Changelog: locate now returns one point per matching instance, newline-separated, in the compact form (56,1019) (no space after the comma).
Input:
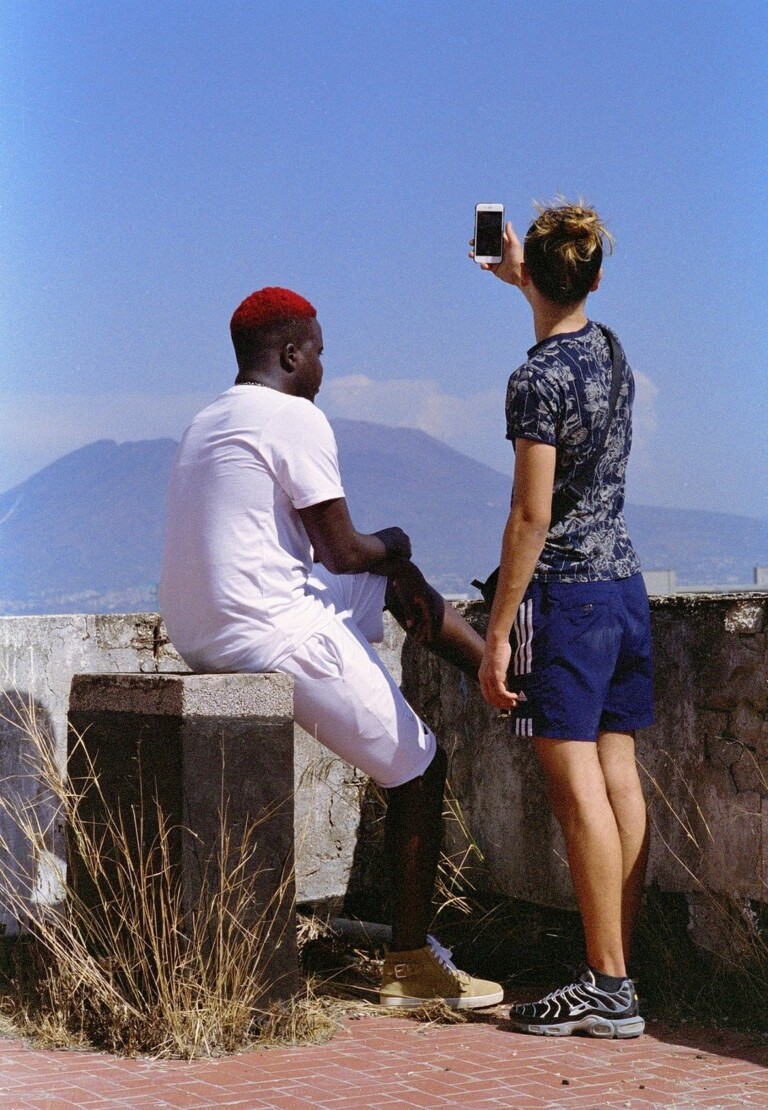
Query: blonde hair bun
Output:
(564,249)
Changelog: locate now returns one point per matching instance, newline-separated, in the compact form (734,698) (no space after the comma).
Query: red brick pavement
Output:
(384,1063)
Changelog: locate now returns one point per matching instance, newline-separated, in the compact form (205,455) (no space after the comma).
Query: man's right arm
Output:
(342,549)
(524,538)
(512,268)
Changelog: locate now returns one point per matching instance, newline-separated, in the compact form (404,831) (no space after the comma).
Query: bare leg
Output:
(578,796)
(413,836)
(454,639)
(616,752)
(414,812)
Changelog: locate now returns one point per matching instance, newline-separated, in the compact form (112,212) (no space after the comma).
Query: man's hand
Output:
(416,605)
(510,269)
(396,542)
(493,676)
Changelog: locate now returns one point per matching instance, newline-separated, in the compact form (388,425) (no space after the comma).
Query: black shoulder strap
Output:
(569,496)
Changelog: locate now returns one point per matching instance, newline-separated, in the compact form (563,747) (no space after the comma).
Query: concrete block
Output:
(211,753)
(38,657)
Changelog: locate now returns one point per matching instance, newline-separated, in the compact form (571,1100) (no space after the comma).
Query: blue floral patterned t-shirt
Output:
(560,396)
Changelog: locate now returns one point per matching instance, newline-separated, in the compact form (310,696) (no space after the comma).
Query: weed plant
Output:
(132,969)
(727,985)
(530,946)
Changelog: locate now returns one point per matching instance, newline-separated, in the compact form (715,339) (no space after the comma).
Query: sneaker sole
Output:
(474,1002)
(593,1026)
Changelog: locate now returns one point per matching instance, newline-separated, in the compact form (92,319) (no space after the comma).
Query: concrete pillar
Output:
(208,751)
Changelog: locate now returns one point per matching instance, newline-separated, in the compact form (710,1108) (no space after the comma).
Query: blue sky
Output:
(161,161)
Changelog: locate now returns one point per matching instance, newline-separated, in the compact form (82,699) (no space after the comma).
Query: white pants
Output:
(343,694)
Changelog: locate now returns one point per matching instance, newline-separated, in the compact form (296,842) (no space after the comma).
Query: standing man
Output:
(264,570)
(568,646)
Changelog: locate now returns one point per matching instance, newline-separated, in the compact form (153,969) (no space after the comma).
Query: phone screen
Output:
(488,240)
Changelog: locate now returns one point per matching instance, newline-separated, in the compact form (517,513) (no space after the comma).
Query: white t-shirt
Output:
(237,557)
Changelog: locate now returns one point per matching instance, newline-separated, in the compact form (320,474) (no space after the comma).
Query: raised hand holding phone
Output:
(489,228)
(510,266)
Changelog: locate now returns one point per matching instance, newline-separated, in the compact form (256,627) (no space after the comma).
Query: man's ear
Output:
(288,357)
(525,277)
(598,279)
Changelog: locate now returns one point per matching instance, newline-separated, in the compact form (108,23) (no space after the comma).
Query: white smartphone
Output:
(489,232)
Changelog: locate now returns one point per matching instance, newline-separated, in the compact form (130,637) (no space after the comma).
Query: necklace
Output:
(247,382)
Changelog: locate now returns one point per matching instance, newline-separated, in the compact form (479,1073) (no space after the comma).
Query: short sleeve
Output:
(533,406)
(300,448)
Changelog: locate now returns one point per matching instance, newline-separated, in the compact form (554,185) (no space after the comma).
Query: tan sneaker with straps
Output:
(422,975)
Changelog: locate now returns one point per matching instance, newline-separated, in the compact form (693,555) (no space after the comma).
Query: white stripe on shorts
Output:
(523,657)
(523,638)
(524,726)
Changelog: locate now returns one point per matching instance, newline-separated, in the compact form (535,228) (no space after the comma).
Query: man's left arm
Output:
(342,549)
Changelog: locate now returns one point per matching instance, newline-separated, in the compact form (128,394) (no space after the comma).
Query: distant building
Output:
(659,583)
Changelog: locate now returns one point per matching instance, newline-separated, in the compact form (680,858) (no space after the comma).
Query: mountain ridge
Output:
(84,533)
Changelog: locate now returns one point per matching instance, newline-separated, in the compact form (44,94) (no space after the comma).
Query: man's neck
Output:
(268,375)
(556,319)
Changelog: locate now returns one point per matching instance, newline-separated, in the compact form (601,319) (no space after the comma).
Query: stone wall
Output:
(38,657)
(704,765)
(705,762)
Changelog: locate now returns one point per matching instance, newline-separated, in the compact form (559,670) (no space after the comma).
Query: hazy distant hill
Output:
(85,533)
(705,548)
(453,508)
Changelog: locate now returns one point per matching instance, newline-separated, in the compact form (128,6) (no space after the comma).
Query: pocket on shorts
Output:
(578,617)
(583,631)
(321,658)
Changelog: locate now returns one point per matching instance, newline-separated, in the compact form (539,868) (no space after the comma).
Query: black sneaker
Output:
(582,1006)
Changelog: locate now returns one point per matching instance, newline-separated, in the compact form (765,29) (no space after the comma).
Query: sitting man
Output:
(256,496)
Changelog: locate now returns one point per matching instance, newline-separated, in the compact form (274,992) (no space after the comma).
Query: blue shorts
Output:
(581,654)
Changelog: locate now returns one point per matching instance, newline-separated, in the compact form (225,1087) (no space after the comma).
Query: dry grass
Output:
(728,985)
(142,973)
(133,970)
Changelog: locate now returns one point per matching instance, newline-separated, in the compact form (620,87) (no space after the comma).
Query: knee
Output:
(400,611)
(622,782)
(438,768)
(625,793)
(575,801)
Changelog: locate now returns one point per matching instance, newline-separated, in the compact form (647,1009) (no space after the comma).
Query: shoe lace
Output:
(444,957)
(561,992)
(570,992)
(443,954)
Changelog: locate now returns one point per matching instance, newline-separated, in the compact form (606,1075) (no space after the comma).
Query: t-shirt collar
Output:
(558,338)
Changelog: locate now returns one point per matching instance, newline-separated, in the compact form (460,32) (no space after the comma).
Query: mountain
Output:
(85,533)
(453,508)
(704,548)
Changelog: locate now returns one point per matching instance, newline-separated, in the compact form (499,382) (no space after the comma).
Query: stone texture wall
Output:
(704,764)
(38,657)
(706,758)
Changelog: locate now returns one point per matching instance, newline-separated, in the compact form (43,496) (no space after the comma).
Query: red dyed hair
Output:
(269,306)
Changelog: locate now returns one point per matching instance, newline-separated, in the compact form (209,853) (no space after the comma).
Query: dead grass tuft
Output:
(132,970)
